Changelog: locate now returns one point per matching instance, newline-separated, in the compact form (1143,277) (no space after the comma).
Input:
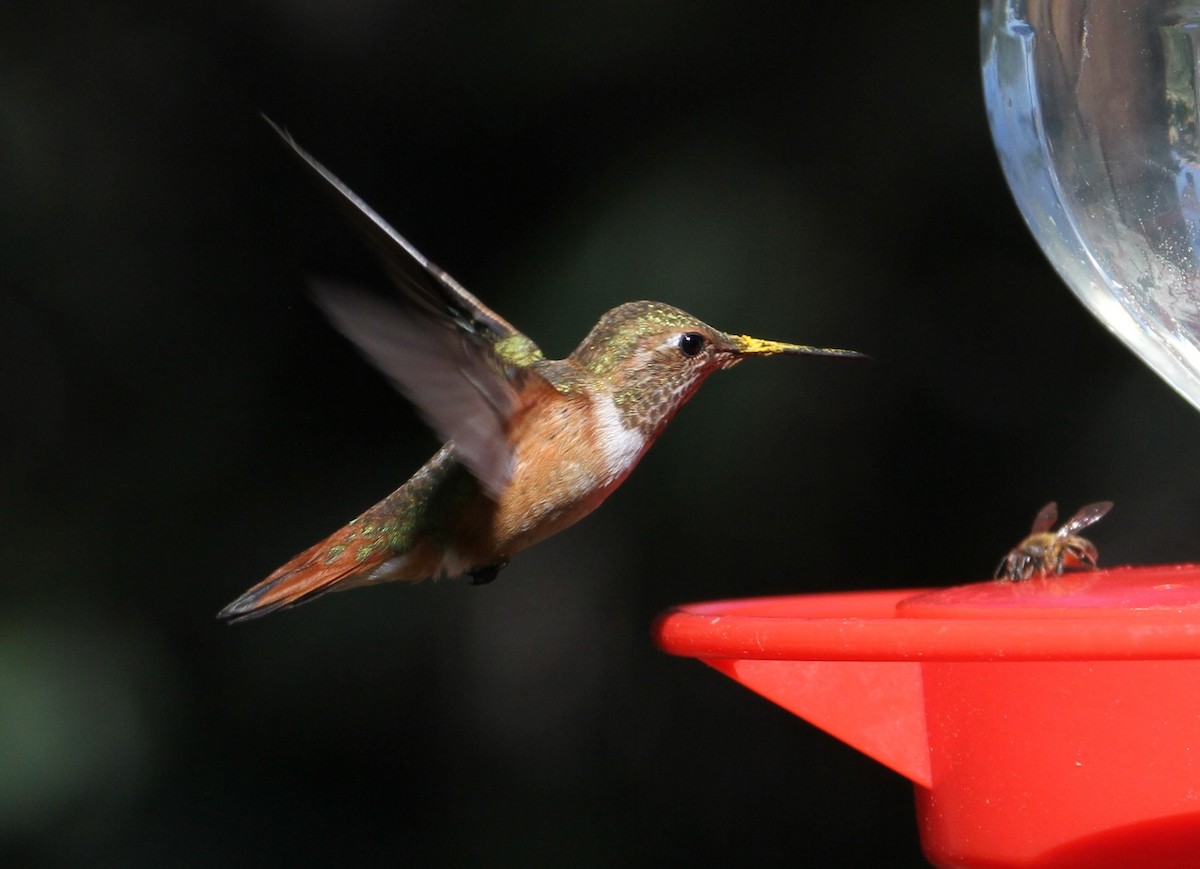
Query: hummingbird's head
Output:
(650,357)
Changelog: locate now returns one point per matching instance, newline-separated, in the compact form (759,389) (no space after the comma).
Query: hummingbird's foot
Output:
(484,575)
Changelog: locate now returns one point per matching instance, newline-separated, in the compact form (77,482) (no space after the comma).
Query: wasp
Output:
(1045,552)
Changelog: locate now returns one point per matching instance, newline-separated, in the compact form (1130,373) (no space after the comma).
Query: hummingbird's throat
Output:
(621,442)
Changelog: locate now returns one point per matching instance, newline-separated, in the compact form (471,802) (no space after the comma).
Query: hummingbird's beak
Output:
(744,345)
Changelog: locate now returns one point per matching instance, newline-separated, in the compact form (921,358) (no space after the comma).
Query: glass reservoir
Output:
(1093,108)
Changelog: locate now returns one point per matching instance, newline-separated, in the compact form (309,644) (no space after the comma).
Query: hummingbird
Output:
(532,445)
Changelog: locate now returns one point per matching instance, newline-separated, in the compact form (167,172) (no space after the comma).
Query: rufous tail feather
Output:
(323,567)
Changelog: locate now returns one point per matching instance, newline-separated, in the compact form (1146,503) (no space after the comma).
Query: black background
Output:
(179,419)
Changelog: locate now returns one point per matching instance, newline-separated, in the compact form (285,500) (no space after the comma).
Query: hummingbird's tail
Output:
(390,541)
(355,555)
(318,569)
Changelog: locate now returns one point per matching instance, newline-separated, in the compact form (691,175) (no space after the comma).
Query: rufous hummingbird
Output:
(532,444)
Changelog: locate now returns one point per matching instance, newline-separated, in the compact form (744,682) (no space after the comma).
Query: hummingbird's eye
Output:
(691,343)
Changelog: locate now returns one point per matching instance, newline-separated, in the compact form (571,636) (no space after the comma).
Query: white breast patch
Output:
(622,446)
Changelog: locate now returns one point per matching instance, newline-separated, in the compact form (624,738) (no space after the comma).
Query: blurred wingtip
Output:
(278,128)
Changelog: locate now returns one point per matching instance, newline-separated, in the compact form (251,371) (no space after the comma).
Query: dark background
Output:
(179,420)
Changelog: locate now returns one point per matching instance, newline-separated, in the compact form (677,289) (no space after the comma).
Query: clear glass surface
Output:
(1093,107)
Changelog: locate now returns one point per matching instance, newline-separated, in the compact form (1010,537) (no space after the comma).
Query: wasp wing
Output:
(1087,515)
(1045,518)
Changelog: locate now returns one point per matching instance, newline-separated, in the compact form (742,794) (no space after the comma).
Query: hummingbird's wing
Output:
(423,284)
(462,364)
(468,393)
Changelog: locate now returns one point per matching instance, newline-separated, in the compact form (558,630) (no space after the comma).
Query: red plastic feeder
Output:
(1054,722)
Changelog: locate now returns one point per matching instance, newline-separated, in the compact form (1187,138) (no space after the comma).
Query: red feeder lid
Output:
(1123,613)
